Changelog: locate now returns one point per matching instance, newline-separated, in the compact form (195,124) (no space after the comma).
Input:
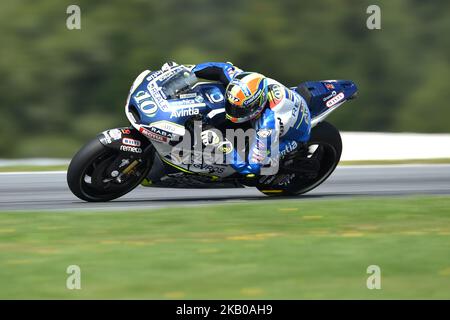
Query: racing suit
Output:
(285,120)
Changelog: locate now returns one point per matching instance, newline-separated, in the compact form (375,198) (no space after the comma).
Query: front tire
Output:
(87,175)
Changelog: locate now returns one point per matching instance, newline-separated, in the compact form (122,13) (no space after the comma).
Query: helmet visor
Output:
(239,112)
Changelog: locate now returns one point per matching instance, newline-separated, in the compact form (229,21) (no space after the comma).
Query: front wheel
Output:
(323,152)
(97,173)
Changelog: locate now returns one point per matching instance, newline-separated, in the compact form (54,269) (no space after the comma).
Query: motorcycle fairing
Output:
(160,115)
(149,103)
(325,96)
(160,112)
(124,139)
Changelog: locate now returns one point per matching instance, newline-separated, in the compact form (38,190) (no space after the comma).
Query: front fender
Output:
(125,139)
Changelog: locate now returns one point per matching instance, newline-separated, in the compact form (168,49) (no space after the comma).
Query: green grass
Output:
(267,249)
(33,168)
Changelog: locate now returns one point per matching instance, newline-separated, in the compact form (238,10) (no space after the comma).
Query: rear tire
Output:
(86,174)
(328,141)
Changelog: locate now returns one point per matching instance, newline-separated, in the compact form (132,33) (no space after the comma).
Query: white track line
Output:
(400,165)
(32,172)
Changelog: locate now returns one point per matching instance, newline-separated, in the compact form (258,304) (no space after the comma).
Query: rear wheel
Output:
(323,152)
(97,173)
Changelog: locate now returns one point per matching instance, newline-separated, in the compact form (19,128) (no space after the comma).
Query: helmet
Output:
(246,96)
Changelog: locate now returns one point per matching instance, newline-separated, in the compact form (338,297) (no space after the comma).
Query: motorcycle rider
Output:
(278,114)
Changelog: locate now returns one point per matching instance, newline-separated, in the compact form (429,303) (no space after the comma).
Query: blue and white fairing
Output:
(160,103)
(323,97)
(157,110)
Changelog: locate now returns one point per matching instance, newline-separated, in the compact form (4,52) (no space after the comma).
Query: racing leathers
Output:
(285,121)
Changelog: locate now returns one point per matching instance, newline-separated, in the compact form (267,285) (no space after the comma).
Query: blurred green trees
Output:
(60,87)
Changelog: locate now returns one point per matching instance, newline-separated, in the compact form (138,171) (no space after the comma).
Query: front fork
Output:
(129,142)
(148,152)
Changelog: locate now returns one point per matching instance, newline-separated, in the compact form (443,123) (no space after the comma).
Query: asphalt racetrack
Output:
(49,191)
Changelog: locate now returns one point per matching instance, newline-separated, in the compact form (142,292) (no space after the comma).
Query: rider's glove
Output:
(209,137)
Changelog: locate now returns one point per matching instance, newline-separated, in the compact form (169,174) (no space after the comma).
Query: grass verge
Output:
(33,168)
(279,250)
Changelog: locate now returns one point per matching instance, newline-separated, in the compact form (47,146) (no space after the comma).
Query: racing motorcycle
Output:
(162,107)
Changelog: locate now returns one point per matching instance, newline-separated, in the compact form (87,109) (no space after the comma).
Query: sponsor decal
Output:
(154,75)
(184,112)
(252,98)
(331,95)
(126,131)
(329,86)
(115,134)
(130,149)
(169,127)
(161,132)
(215,96)
(295,111)
(131,142)
(156,93)
(175,104)
(277,92)
(209,167)
(199,99)
(305,115)
(289,95)
(267,179)
(145,103)
(285,180)
(281,126)
(333,101)
(264,133)
(188,95)
(152,135)
(105,139)
(291,146)
(294,97)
